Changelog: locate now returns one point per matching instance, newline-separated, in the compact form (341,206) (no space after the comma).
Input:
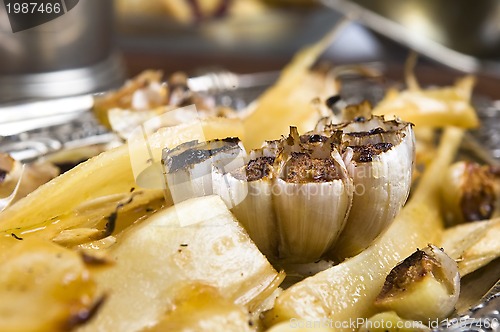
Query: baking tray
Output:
(86,131)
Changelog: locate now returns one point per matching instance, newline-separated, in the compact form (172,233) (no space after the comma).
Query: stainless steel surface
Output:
(484,316)
(18,118)
(69,55)
(85,131)
(461,34)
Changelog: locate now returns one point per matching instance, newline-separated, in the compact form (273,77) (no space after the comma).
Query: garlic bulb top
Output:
(329,192)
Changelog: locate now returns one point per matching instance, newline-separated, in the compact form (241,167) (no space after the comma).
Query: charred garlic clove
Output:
(189,167)
(424,287)
(249,196)
(471,192)
(379,156)
(312,197)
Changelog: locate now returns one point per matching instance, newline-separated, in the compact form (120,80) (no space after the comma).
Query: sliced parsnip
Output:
(106,174)
(348,290)
(389,321)
(202,308)
(43,287)
(433,107)
(303,326)
(473,245)
(197,240)
(289,102)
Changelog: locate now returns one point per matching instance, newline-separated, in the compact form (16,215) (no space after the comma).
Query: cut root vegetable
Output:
(195,241)
(112,172)
(44,287)
(289,102)
(433,107)
(200,307)
(473,245)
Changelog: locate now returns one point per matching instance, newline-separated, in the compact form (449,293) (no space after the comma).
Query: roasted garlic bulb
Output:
(379,156)
(297,196)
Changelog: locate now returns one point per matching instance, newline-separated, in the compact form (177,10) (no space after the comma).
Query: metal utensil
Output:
(460,34)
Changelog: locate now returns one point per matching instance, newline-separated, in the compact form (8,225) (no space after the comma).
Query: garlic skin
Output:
(424,287)
(379,156)
(311,214)
(306,206)
(189,167)
(293,197)
(471,192)
(247,191)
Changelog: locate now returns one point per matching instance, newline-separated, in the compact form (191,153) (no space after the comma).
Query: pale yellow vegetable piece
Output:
(433,107)
(106,174)
(473,245)
(202,308)
(289,101)
(197,240)
(303,326)
(424,287)
(43,287)
(389,321)
(348,290)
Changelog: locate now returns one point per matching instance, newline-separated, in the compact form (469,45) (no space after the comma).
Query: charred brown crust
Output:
(313,138)
(93,260)
(302,168)
(84,316)
(479,194)
(256,169)
(374,131)
(6,165)
(365,153)
(193,152)
(412,269)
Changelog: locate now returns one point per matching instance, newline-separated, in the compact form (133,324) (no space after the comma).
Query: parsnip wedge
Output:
(197,240)
(473,245)
(433,107)
(289,102)
(106,174)
(389,321)
(43,287)
(347,291)
(202,308)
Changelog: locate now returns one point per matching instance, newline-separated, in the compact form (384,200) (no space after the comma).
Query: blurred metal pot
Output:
(69,55)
